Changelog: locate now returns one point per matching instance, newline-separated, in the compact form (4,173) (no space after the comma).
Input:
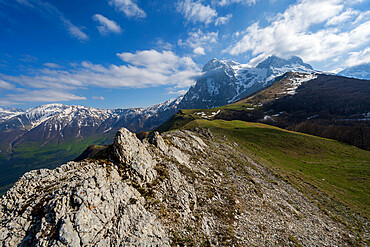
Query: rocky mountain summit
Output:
(224,82)
(179,188)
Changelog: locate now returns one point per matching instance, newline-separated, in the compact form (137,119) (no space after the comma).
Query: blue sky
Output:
(136,53)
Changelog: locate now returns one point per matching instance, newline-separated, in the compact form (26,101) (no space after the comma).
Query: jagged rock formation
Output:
(183,188)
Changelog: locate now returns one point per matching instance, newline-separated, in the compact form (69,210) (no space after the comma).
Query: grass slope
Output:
(332,174)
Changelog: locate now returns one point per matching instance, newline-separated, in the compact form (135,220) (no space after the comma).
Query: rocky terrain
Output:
(183,188)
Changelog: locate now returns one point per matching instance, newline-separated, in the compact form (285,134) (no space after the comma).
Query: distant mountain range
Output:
(360,72)
(48,135)
(223,82)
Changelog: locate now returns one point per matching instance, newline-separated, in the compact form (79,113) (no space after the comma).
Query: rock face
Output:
(224,82)
(84,203)
(181,188)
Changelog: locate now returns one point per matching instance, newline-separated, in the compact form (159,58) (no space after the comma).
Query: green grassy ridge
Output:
(33,155)
(311,164)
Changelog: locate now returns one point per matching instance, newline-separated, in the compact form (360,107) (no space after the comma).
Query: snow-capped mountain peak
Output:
(215,63)
(228,81)
(276,62)
(7,113)
(39,114)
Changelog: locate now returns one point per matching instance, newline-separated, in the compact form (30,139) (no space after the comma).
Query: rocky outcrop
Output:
(180,188)
(84,204)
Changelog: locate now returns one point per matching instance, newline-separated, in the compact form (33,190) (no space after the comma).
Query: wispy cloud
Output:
(296,32)
(28,58)
(106,26)
(223,20)
(199,51)
(199,41)
(45,95)
(359,57)
(74,30)
(25,2)
(160,44)
(141,69)
(51,11)
(98,97)
(52,65)
(195,11)
(5,85)
(179,92)
(129,7)
(343,17)
(228,2)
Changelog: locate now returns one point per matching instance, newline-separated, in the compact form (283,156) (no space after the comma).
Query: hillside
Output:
(324,105)
(228,183)
(332,174)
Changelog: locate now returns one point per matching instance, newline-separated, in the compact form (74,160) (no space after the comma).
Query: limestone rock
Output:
(131,152)
(187,189)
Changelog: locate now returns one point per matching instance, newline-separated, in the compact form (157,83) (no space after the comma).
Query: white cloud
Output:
(52,65)
(196,11)
(28,58)
(343,17)
(129,7)
(5,85)
(295,32)
(45,95)
(180,92)
(162,45)
(256,60)
(4,102)
(363,16)
(98,97)
(228,2)
(357,58)
(106,25)
(151,68)
(74,30)
(199,51)
(335,71)
(223,20)
(142,69)
(198,39)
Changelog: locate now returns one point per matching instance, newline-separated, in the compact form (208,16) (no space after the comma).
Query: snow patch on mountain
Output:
(295,82)
(7,113)
(225,81)
(40,114)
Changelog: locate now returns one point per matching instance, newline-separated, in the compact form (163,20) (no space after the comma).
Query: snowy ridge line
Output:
(57,116)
